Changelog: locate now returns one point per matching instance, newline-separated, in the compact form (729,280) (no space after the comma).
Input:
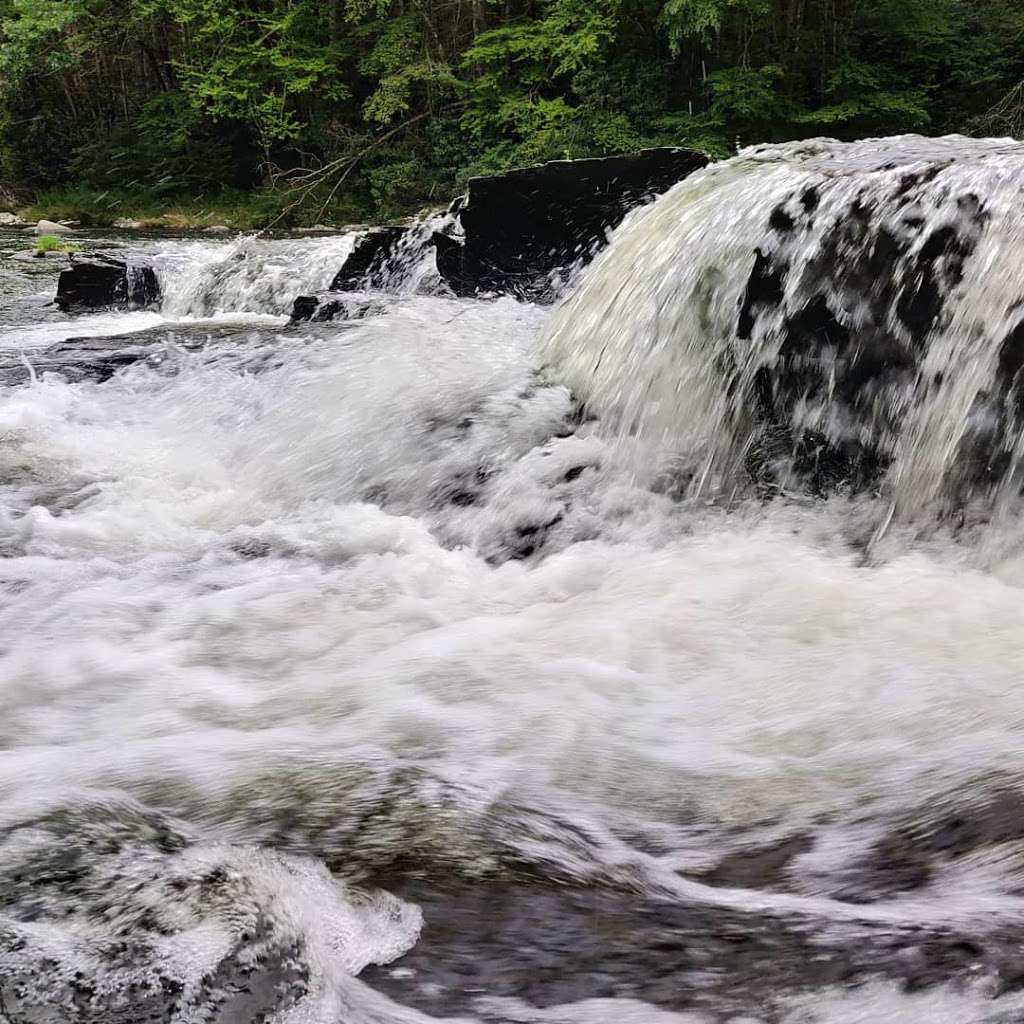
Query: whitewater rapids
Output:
(313,637)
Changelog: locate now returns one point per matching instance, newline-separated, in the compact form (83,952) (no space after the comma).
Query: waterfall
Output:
(817,314)
(249,275)
(328,643)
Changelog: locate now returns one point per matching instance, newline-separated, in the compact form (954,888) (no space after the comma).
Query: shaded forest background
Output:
(359,109)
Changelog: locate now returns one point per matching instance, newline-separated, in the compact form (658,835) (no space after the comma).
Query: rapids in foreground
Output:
(652,659)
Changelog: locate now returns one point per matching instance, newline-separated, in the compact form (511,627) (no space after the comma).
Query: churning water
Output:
(463,638)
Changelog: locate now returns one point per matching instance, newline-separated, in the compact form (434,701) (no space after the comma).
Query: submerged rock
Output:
(332,306)
(96,281)
(164,349)
(33,256)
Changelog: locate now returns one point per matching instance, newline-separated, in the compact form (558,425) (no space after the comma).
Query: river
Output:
(363,672)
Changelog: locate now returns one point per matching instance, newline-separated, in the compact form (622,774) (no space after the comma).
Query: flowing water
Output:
(487,662)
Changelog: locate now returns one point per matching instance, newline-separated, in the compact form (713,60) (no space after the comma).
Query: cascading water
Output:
(818,313)
(250,275)
(325,645)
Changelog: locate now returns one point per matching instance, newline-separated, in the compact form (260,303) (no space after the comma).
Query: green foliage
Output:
(381,107)
(244,210)
(51,243)
(748,97)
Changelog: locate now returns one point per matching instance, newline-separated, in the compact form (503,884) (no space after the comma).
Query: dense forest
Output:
(370,108)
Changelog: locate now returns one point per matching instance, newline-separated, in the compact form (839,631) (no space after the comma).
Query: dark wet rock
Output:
(517,230)
(764,292)
(525,225)
(463,489)
(251,548)
(762,867)
(448,256)
(334,306)
(96,281)
(369,263)
(77,359)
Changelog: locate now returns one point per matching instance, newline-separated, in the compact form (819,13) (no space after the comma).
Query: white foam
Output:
(249,275)
(244,599)
(744,668)
(97,325)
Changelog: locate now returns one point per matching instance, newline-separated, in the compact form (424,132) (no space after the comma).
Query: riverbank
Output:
(236,210)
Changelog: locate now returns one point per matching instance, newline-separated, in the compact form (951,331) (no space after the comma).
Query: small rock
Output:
(127,224)
(323,308)
(217,229)
(10,220)
(316,229)
(51,227)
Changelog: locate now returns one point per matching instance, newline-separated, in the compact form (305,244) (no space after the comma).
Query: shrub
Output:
(51,243)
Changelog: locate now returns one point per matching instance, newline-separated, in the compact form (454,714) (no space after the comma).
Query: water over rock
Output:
(96,281)
(818,315)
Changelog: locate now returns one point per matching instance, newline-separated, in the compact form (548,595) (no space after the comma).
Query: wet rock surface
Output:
(523,226)
(334,306)
(96,281)
(514,232)
(369,263)
(165,349)
(552,946)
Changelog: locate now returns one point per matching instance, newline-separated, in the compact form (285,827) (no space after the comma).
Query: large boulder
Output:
(51,227)
(524,226)
(96,281)
(513,233)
